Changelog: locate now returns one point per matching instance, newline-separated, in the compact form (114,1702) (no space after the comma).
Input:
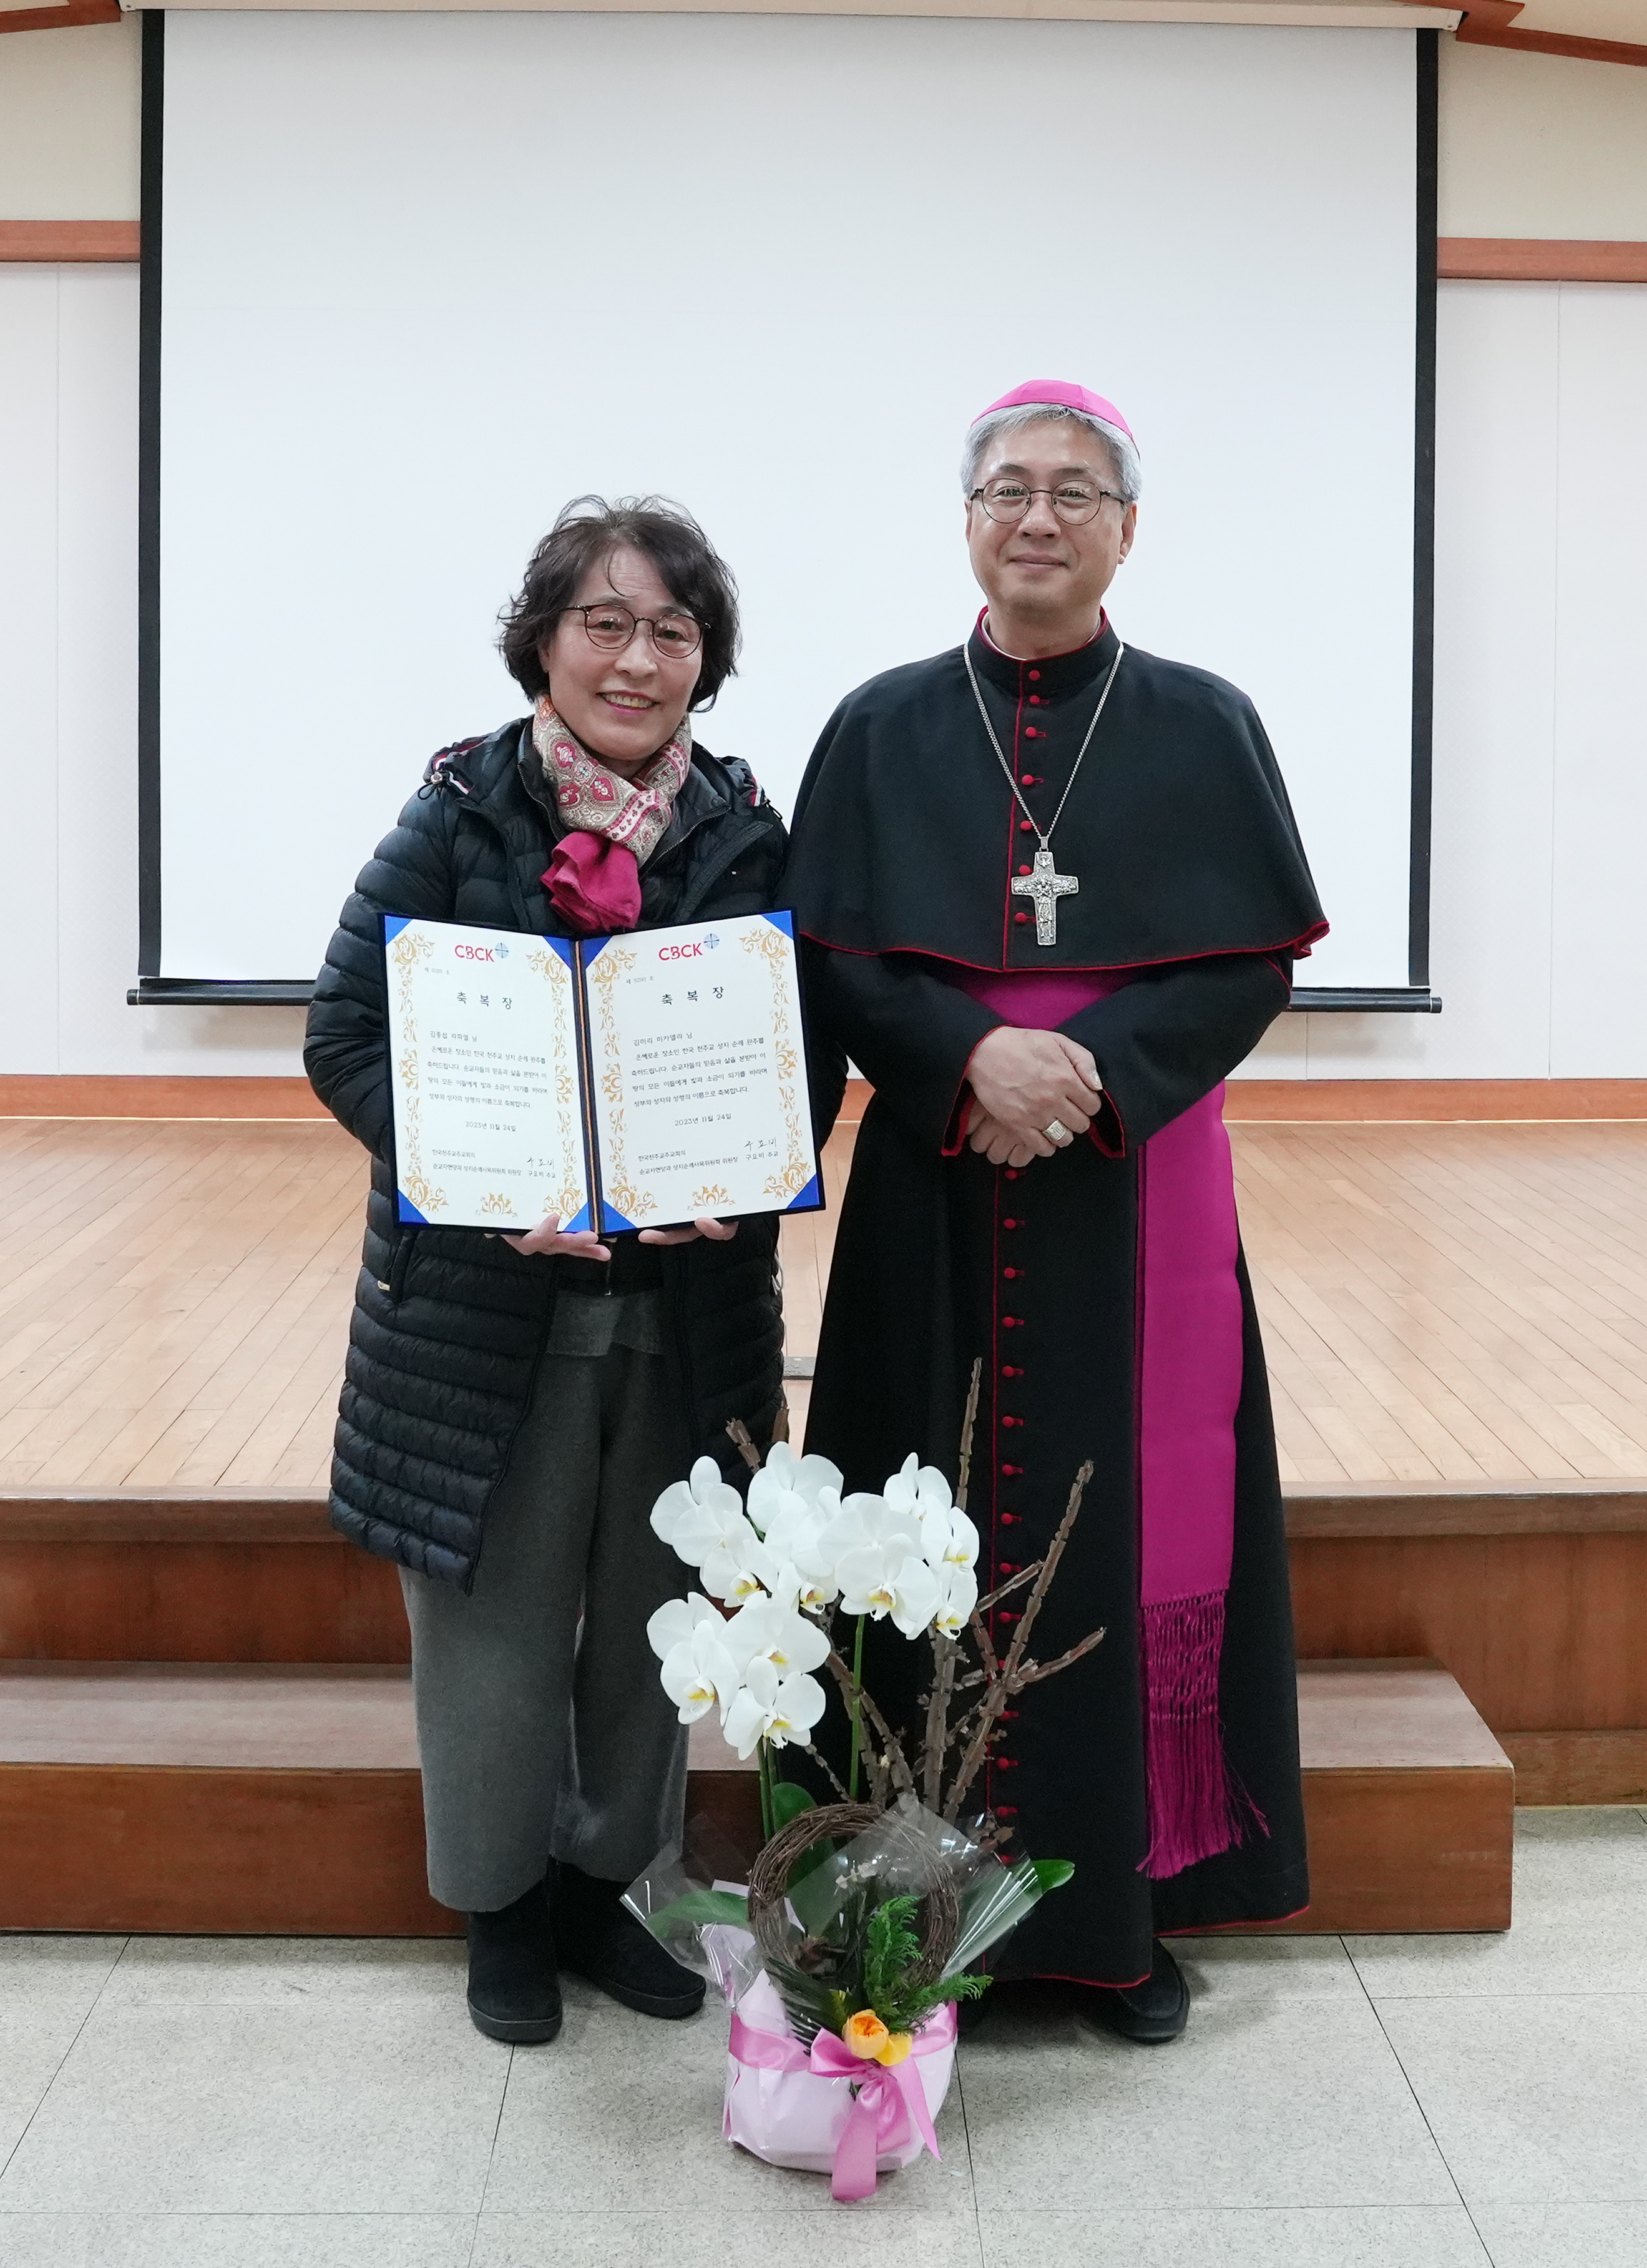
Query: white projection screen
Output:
(420,278)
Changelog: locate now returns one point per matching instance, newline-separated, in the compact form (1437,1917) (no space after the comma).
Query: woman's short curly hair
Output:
(591,529)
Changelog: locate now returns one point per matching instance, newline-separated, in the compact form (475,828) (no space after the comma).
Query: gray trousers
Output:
(542,1727)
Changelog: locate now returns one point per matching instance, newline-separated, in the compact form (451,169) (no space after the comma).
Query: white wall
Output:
(1539,908)
(68,699)
(1540,939)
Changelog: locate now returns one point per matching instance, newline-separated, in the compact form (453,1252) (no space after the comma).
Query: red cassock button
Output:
(1012,1471)
(1027,870)
(1026,827)
(1012,1173)
(1030,734)
(1011,1519)
(1007,1811)
(1034,700)
(1006,1763)
(1036,676)
(1009,1273)
(1021,917)
(1028,780)
(1011,1370)
(1009,1223)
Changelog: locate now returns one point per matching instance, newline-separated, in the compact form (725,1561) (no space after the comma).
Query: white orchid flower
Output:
(890,1578)
(949,1539)
(919,1489)
(793,1587)
(767,1631)
(795,1540)
(700,1672)
(738,1567)
(785,1474)
(865,1522)
(959,1595)
(768,1708)
(675,1620)
(692,1516)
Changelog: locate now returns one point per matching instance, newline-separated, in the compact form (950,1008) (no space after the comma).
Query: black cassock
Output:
(1193,884)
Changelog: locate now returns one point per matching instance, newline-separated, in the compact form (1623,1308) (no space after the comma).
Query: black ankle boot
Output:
(1150,2012)
(514,1993)
(600,1938)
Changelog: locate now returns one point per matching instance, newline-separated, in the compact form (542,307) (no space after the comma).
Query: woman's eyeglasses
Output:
(612,627)
(1073,501)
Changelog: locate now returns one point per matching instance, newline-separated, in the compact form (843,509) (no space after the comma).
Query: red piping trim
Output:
(1298,945)
(1061,1977)
(1193,1929)
(1216,1928)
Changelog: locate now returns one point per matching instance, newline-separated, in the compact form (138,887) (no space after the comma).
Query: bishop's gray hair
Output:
(1122,451)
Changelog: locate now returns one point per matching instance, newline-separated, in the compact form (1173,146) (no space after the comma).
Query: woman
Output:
(514,1405)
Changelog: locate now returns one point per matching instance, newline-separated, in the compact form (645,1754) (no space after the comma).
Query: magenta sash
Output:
(1188,1385)
(888,2102)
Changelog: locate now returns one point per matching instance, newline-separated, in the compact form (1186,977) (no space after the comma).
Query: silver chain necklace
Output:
(1045,885)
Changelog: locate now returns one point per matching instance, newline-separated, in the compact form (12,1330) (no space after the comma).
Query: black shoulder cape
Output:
(906,836)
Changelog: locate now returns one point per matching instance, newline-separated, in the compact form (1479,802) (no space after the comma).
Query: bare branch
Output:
(743,1442)
(963,1475)
(1012,1583)
(893,1762)
(1008,1674)
(1032,1673)
(986,1645)
(946,1654)
(826,1768)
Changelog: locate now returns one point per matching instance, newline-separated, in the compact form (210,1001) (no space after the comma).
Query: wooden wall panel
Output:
(290,1853)
(1367,1599)
(1407,1850)
(1541,1631)
(261,1602)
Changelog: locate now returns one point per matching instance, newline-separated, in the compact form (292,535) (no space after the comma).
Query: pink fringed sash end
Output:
(1196,1808)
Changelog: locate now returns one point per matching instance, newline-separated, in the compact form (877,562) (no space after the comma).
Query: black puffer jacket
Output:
(449,1324)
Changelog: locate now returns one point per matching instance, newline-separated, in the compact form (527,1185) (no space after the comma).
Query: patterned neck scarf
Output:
(632,813)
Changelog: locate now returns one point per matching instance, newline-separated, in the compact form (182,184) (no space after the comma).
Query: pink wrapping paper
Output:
(780,2109)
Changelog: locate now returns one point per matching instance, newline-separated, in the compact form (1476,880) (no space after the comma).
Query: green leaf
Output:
(700,1907)
(787,1802)
(1053,1874)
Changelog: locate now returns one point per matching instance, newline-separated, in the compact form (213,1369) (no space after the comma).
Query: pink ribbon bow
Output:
(886,2101)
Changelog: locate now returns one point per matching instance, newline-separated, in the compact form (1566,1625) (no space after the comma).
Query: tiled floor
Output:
(1428,2103)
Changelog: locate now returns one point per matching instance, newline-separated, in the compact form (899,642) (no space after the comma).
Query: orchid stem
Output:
(765,1760)
(857,1727)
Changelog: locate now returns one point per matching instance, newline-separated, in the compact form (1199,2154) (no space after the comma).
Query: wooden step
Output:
(1408,1801)
(178,1574)
(286,1801)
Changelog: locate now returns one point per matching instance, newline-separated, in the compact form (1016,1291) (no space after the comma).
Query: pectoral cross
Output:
(1046,886)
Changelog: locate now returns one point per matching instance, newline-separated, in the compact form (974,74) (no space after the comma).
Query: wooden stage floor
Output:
(1442,1302)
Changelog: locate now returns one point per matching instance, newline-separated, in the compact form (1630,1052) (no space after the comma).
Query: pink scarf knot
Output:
(613,824)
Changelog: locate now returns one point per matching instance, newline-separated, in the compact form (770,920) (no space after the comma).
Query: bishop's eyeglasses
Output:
(611,627)
(1073,501)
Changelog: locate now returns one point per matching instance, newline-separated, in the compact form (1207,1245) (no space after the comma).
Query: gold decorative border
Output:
(408,951)
(570,1196)
(613,963)
(778,951)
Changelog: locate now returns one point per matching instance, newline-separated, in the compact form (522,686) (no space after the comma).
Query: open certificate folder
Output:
(621,1082)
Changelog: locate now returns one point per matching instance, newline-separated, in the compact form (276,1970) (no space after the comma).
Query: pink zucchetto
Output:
(1059,394)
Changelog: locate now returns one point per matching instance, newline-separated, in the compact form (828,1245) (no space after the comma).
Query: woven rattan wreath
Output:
(769,1880)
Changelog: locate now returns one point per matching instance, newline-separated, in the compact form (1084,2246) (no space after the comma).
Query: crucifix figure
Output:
(1046,886)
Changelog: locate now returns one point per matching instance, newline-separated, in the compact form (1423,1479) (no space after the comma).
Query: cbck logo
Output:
(689,952)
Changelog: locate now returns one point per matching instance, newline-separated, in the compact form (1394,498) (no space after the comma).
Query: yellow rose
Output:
(865,2035)
(898,2046)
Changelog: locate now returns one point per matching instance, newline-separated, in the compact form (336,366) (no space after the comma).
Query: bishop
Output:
(1042,1184)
